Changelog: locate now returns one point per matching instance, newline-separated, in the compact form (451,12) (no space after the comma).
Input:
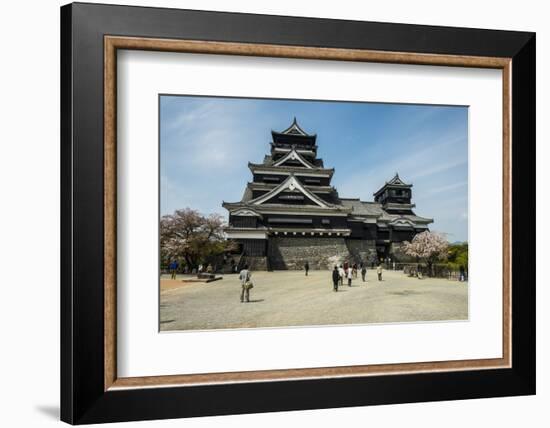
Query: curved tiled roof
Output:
(362,207)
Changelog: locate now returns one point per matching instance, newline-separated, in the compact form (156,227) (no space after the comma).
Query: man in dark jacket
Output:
(335,278)
(306,267)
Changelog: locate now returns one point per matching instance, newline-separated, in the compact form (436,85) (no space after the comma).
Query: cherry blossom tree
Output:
(428,247)
(190,236)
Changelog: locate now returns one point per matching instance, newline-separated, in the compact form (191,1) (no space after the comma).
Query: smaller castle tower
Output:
(395,196)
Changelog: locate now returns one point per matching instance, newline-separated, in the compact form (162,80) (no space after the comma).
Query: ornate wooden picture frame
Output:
(91,390)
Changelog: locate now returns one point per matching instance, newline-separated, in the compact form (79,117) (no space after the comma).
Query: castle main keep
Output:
(290,213)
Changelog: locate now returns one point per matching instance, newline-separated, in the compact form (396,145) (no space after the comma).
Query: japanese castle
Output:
(290,213)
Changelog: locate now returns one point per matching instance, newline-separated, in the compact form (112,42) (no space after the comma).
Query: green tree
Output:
(190,236)
(458,256)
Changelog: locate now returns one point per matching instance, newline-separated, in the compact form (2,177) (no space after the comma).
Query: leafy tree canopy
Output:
(458,256)
(191,236)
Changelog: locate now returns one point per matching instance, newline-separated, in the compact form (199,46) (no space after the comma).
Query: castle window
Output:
(244,221)
(312,181)
(290,220)
(291,197)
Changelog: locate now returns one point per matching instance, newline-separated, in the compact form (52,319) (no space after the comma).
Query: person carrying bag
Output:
(246,284)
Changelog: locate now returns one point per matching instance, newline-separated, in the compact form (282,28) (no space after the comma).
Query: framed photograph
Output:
(267,213)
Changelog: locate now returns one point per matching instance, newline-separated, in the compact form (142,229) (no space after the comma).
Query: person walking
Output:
(335,278)
(363,272)
(246,284)
(462,276)
(350,276)
(379,272)
(354,271)
(170,269)
(342,273)
(173,269)
(306,267)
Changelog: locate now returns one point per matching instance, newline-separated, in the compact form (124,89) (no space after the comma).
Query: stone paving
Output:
(289,298)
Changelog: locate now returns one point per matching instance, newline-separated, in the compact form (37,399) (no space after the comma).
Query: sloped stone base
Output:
(362,251)
(320,253)
(255,262)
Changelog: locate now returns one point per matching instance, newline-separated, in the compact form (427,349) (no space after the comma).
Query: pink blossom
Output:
(429,246)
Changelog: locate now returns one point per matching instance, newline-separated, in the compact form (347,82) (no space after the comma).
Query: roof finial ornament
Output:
(295,130)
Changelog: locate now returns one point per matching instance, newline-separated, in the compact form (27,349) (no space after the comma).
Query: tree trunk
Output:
(189,262)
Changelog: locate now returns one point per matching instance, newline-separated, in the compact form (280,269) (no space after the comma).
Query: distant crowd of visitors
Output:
(345,271)
(174,268)
(340,273)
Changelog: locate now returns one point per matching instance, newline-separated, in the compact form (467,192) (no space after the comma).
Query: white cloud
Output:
(447,188)
(437,168)
(410,166)
(205,148)
(208,136)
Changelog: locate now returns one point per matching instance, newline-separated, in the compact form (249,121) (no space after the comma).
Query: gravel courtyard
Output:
(289,298)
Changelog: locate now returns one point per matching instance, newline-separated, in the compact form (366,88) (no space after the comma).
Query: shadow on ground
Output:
(48,410)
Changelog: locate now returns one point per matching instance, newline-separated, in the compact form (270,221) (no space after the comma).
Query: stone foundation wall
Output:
(361,250)
(255,262)
(321,253)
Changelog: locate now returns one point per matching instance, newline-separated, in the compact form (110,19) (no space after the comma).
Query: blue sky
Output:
(206,143)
